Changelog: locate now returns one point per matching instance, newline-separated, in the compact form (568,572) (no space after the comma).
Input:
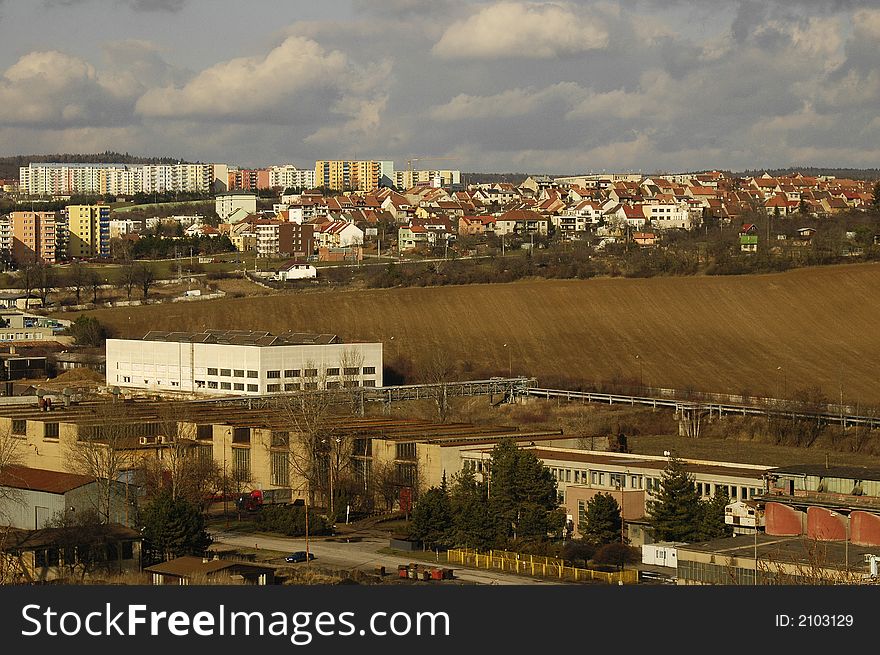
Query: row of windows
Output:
(630,481)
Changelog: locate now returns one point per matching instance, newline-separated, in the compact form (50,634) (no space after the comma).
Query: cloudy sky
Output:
(559,87)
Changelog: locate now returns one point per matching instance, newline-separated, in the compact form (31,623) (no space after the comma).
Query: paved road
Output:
(364,555)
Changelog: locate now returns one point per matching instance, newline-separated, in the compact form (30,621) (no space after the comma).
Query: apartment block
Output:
(291,177)
(33,237)
(283,238)
(225,204)
(55,179)
(353,175)
(438,178)
(88,231)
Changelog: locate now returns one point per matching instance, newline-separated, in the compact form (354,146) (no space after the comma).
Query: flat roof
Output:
(784,549)
(187,565)
(847,472)
(244,337)
(142,413)
(27,539)
(633,462)
(32,479)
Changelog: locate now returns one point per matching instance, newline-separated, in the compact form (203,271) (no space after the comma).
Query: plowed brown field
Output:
(764,334)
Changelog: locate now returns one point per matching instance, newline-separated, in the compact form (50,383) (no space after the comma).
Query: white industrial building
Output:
(240,362)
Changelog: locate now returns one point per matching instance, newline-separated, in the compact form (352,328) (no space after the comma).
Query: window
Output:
(568,475)
(369,383)
(239,373)
(273,388)
(253,374)
(291,373)
(280,438)
(406,451)
(273,374)
(204,432)
(241,463)
(212,385)
(225,372)
(238,386)
(349,384)
(291,386)
(310,385)
(212,371)
(311,373)
(50,431)
(332,371)
(333,385)
(369,370)
(253,387)
(19,427)
(280,470)
(351,371)
(226,385)
(200,384)
(577,477)
(241,435)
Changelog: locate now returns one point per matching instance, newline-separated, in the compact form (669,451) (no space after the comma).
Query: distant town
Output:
(197,453)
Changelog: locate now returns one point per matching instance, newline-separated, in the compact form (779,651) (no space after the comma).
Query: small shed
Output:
(202,570)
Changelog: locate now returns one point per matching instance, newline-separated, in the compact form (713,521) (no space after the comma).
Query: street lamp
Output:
(509,361)
(845,541)
(641,383)
(778,375)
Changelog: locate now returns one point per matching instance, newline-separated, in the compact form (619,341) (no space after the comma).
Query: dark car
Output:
(299,556)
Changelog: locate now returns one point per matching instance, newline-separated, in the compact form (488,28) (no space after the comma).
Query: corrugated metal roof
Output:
(244,338)
(23,477)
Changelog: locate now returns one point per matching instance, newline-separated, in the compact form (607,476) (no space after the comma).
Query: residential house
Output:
(522,222)
(644,239)
(748,238)
(339,234)
(295,269)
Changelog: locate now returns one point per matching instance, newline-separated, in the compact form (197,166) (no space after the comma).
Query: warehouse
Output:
(241,362)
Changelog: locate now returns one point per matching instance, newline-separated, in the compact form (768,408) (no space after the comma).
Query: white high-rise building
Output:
(289,176)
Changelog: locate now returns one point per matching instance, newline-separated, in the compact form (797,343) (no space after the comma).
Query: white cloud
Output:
(508,104)
(522,30)
(247,87)
(54,89)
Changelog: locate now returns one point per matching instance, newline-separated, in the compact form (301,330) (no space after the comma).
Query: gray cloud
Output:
(136,5)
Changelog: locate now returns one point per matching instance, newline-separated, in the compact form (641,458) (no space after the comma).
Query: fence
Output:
(537,565)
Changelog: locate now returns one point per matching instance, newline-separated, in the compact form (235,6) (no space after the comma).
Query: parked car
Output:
(299,556)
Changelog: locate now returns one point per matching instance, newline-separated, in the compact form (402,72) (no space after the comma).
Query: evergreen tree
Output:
(876,200)
(473,526)
(603,520)
(432,518)
(522,493)
(173,527)
(712,525)
(675,513)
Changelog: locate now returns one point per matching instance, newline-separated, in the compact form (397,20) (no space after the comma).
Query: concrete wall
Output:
(172,366)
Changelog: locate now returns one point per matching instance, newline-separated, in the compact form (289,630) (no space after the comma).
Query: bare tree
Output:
(45,281)
(93,281)
(127,279)
(310,446)
(77,277)
(183,467)
(439,370)
(106,451)
(145,276)
(27,278)
(351,364)
(10,455)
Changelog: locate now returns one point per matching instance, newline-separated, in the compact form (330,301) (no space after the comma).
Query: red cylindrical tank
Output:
(825,524)
(783,521)
(864,528)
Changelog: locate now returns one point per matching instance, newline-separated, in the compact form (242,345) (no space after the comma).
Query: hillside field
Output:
(763,334)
